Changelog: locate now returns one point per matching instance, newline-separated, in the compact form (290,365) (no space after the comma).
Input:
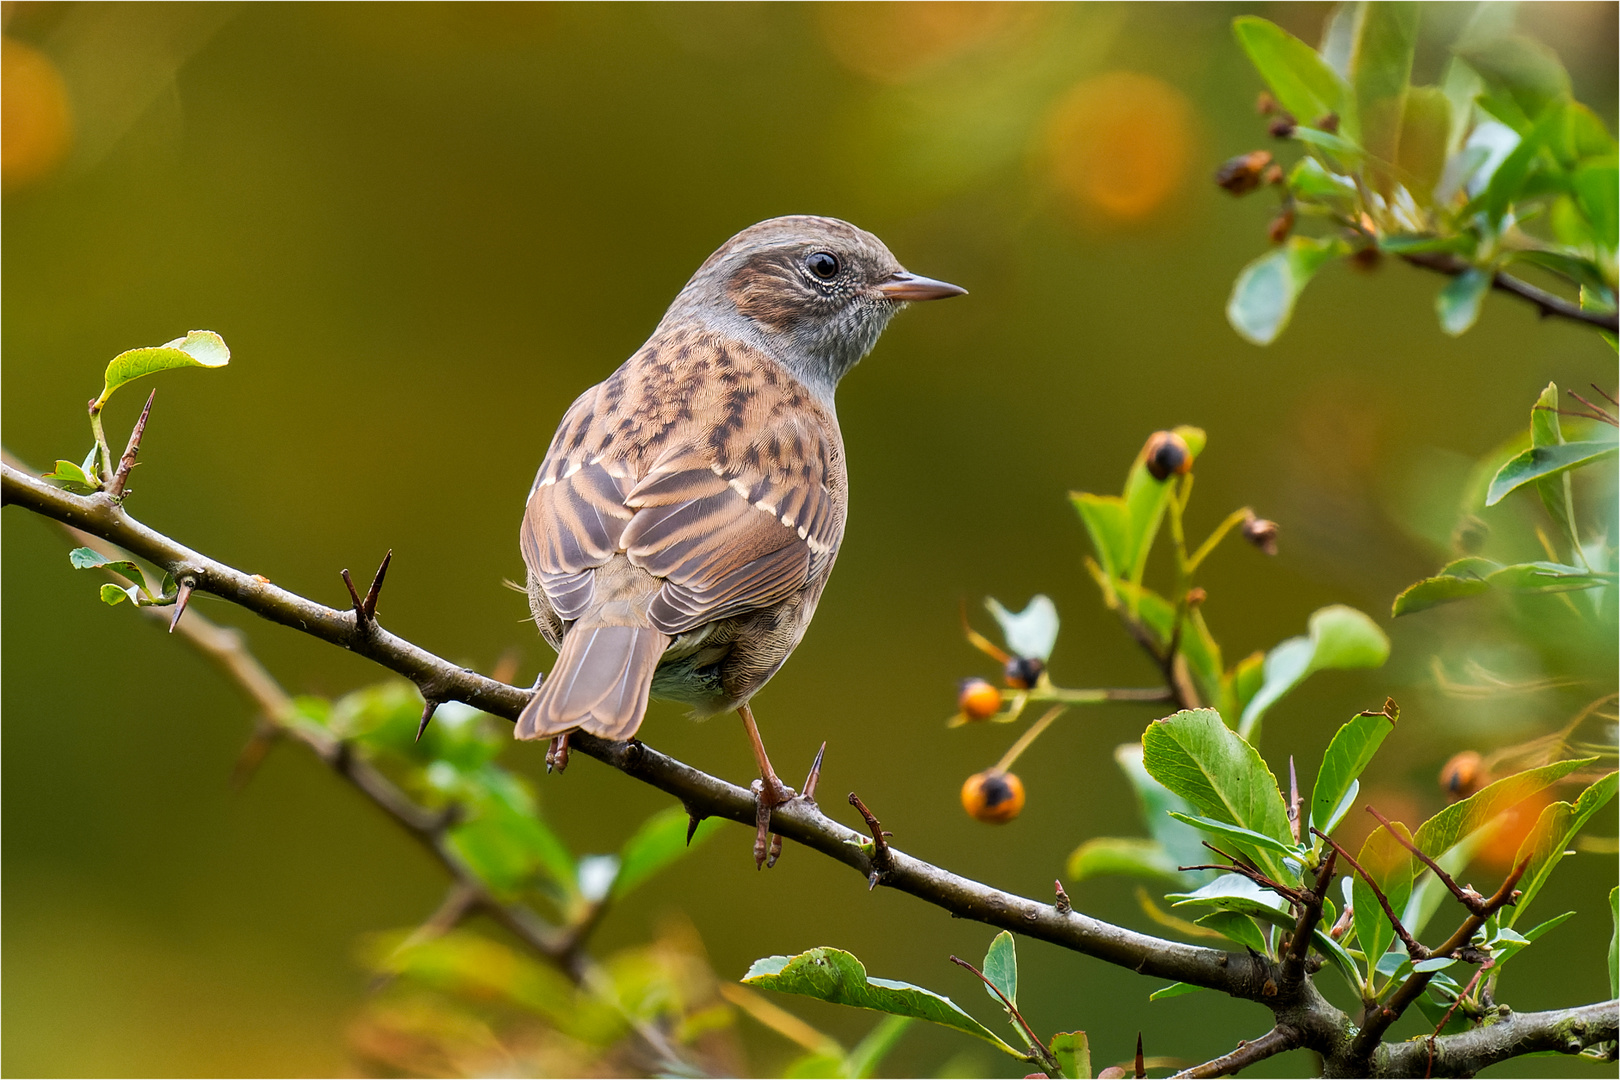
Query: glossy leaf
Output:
(112,595)
(1194,754)
(1350,751)
(1441,832)
(75,478)
(1554,831)
(200,348)
(833,975)
(1129,856)
(1031,632)
(1391,866)
(1073,1052)
(1244,839)
(1302,81)
(1239,928)
(1236,893)
(1263,296)
(1339,638)
(1539,462)
(1459,302)
(660,841)
(1001,967)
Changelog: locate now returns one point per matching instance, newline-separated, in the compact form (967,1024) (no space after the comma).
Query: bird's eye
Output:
(823,264)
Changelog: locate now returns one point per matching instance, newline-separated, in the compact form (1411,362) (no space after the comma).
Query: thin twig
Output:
(881,856)
(1414,948)
(1466,896)
(1043,1056)
(1547,303)
(1276,1041)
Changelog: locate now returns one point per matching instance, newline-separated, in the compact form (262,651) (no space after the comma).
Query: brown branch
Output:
(1414,948)
(1467,897)
(1510,1035)
(1038,1050)
(704,795)
(1310,913)
(1549,304)
(1379,1019)
(1273,1042)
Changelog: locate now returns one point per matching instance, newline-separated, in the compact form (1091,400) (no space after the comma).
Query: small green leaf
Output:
(1031,632)
(1236,893)
(1557,493)
(1546,577)
(1309,180)
(1597,190)
(84,558)
(1302,81)
(1263,296)
(1108,525)
(1456,581)
(1425,131)
(77,479)
(1001,967)
(1175,990)
(1340,638)
(1131,856)
(200,348)
(1349,752)
(1073,1052)
(833,975)
(1554,831)
(1239,928)
(1459,302)
(113,595)
(660,841)
(1434,963)
(1544,461)
(1195,755)
(1380,71)
(1244,839)
(1340,957)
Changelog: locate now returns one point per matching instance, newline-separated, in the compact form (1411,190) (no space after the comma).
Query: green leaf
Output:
(1001,967)
(1434,963)
(1526,70)
(1456,581)
(1302,81)
(1390,865)
(200,348)
(1557,494)
(1339,956)
(1263,296)
(1108,525)
(1614,943)
(660,841)
(1440,833)
(1597,190)
(1508,182)
(833,975)
(1546,843)
(1236,893)
(1178,989)
(1239,928)
(1309,180)
(1425,131)
(869,1053)
(1145,499)
(1131,856)
(1539,462)
(1380,71)
(1459,302)
(1546,577)
(1031,632)
(1073,1052)
(1195,755)
(1182,844)
(1340,638)
(113,595)
(84,558)
(1349,752)
(77,479)
(1509,943)
(1245,839)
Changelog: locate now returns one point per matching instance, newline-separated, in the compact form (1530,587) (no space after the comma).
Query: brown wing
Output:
(734,537)
(728,528)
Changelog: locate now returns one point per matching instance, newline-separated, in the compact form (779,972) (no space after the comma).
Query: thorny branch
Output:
(1304,1017)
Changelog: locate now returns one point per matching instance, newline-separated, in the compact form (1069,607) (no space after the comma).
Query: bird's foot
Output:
(557,753)
(768,851)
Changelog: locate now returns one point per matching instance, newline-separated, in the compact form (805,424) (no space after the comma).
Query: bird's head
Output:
(815,292)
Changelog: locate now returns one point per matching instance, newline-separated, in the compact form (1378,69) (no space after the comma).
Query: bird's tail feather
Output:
(599,684)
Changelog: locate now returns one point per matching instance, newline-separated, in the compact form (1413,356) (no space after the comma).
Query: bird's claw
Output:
(768,795)
(557,753)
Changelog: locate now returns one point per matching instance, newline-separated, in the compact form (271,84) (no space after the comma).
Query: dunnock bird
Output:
(690,508)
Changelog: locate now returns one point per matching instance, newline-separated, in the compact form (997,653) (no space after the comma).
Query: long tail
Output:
(600,683)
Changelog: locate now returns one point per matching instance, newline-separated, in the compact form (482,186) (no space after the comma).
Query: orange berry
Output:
(993,796)
(1166,453)
(978,700)
(1463,775)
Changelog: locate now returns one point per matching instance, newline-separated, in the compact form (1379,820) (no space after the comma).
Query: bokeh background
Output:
(423,229)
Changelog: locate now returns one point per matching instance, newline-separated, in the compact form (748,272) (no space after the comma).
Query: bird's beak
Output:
(905,286)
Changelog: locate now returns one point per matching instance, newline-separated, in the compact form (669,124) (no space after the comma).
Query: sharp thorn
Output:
(370,602)
(429,706)
(127,462)
(1141,1063)
(872,880)
(359,604)
(180,600)
(814,777)
(692,822)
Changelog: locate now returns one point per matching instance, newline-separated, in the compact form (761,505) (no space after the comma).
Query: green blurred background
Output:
(424,229)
